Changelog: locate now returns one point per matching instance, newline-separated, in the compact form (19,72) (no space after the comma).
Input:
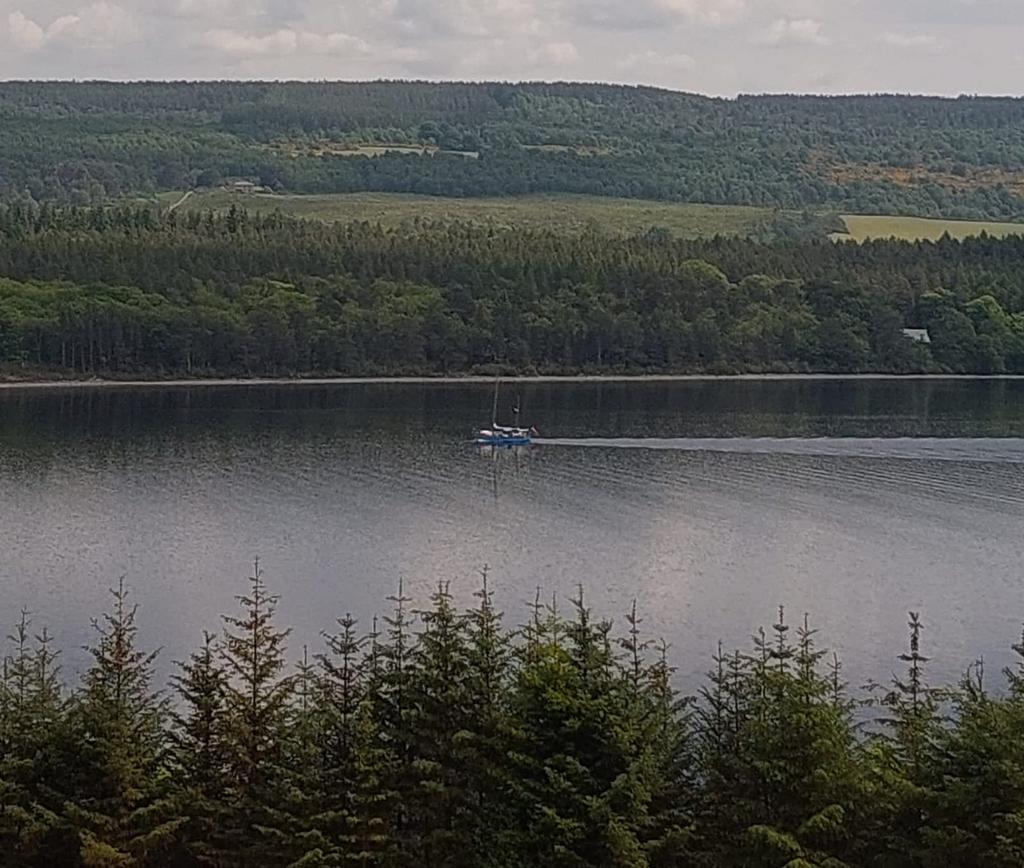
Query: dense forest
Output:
(447,737)
(95,291)
(82,143)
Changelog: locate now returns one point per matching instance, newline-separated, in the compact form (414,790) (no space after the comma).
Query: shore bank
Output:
(97,383)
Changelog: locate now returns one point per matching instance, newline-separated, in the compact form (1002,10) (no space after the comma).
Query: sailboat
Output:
(503,435)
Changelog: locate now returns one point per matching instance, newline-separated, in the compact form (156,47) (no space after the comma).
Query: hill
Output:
(930,157)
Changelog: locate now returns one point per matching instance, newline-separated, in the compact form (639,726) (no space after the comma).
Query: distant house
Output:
(919,335)
(241,186)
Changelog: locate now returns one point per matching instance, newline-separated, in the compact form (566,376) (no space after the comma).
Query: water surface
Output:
(712,502)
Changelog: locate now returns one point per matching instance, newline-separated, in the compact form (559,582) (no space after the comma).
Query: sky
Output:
(720,47)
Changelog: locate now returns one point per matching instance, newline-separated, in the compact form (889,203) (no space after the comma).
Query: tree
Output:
(200,750)
(257,697)
(116,751)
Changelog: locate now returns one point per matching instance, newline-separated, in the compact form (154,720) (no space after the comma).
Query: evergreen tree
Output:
(438,694)
(257,698)
(353,808)
(484,745)
(781,772)
(116,751)
(200,750)
(900,762)
(31,716)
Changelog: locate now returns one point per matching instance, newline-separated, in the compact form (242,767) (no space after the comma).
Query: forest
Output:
(441,736)
(136,291)
(89,142)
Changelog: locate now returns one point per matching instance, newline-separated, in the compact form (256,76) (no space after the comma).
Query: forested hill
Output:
(83,142)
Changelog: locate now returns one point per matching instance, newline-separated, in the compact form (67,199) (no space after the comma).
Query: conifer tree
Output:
(784,788)
(117,750)
(974,814)
(439,699)
(390,702)
(485,743)
(31,717)
(899,759)
(665,721)
(257,697)
(578,787)
(200,751)
(353,805)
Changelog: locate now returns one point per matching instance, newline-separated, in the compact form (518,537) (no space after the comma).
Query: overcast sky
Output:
(711,46)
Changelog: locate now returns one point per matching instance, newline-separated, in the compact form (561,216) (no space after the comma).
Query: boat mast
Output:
(494,409)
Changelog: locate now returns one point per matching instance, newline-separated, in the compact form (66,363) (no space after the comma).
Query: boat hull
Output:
(503,441)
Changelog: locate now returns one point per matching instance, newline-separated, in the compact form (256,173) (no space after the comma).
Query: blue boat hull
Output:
(503,441)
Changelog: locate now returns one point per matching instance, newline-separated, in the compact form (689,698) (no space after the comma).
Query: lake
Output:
(712,502)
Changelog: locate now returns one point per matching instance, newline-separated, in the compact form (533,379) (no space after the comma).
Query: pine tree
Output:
(117,750)
(257,697)
(579,790)
(200,751)
(353,803)
(31,717)
(899,760)
(390,702)
(781,776)
(665,721)
(485,743)
(438,693)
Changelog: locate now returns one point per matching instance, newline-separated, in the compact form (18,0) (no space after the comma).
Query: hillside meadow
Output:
(576,214)
(566,213)
(862,227)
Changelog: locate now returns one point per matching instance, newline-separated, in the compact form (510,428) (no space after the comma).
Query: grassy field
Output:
(862,227)
(567,213)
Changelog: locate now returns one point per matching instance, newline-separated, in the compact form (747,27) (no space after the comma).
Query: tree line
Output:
(445,737)
(136,291)
(86,142)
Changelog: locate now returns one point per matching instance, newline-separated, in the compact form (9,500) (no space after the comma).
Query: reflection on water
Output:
(710,501)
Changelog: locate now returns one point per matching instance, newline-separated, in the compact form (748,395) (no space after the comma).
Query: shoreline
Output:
(231,382)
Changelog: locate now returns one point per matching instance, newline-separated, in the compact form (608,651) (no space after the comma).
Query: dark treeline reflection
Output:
(436,736)
(756,408)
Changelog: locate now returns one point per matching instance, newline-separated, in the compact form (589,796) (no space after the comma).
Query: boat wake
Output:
(1008,450)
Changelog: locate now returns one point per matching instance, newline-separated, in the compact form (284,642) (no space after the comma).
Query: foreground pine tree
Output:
(254,831)
(440,715)
(580,782)
(200,750)
(901,763)
(486,826)
(351,809)
(32,718)
(778,758)
(115,753)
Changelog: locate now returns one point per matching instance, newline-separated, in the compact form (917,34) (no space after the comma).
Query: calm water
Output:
(712,502)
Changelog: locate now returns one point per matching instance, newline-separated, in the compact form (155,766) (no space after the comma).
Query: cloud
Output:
(279,43)
(647,60)
(558,53)
(98,25)
(649,14)
(24,32)
(793,31)
(479,19)
(907,40)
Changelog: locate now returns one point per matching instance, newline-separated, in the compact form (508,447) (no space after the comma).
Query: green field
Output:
(571,213)
(564,212)
(863,227)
